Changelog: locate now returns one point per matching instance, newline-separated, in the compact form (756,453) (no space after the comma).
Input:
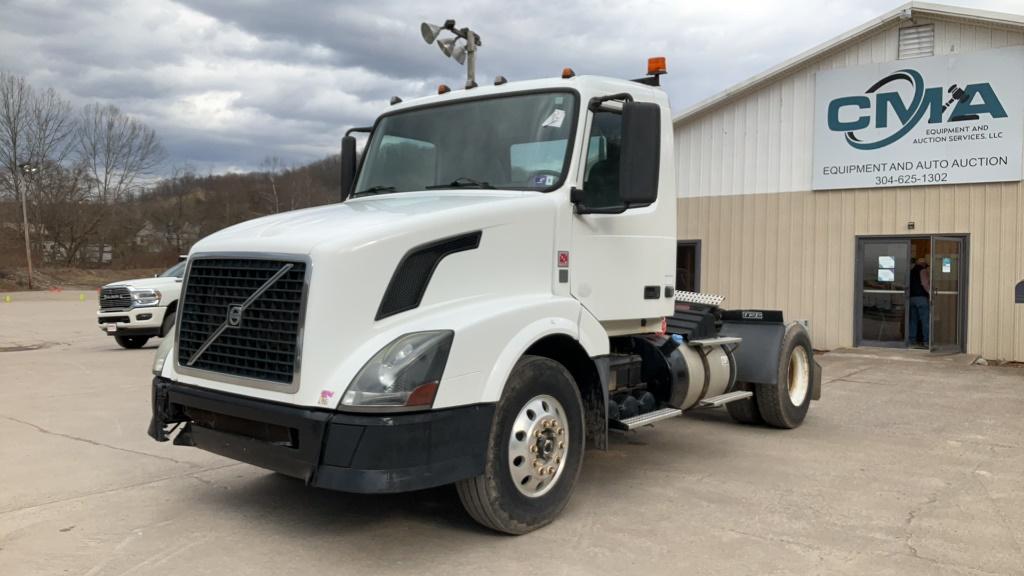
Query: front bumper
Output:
(143,321)
(340,451)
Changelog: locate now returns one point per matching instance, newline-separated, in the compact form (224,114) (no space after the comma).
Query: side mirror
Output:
(348,165)
(640,155)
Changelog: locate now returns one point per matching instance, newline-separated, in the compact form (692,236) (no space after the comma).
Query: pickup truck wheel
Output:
(745,411)
(785,404)
(534,453)
(131,342)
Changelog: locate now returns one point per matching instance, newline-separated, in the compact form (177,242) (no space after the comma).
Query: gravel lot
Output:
(908,465)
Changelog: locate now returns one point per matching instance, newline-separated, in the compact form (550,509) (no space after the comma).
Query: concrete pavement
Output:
(908,465)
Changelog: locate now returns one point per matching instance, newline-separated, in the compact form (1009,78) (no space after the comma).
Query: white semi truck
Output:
(494,293)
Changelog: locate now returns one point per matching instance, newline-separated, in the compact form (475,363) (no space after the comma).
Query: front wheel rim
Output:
(799,376)
(538,445)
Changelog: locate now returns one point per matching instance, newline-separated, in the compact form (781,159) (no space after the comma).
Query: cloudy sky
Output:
(227,83)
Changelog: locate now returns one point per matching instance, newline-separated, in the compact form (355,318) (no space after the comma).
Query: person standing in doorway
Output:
(920,296)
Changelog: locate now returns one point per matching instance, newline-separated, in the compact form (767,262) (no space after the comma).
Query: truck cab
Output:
(491,292)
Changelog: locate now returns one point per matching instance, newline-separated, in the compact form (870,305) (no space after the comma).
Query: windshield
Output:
(176,271)
(512,142)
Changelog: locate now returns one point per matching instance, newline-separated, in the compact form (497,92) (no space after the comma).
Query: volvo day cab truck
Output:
(494,293)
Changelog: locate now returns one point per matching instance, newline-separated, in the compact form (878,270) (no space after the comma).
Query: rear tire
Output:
(132,342)
(530,471)
(785,404)
(745,411)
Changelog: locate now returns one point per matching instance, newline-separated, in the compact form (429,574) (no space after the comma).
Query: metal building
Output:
(816,186)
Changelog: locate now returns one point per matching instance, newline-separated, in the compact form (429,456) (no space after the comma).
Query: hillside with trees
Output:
(90,187)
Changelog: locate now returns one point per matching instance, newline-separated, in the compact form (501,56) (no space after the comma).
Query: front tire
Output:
(785,404)
(534,453)
(132,342)
(168,324)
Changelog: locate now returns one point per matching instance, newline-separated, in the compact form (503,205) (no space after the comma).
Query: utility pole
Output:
(29,170)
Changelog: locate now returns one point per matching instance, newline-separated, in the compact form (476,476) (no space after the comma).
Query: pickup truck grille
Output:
(116,298)
(259,341)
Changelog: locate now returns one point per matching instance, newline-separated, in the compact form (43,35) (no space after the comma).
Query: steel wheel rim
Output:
(799,376)
(538,445)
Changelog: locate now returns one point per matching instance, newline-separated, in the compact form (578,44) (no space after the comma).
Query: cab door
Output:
(622,263)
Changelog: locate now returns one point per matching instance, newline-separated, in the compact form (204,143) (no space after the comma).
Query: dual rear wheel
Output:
(785,403)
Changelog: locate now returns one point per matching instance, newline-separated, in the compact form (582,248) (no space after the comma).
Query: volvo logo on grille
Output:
(234,315)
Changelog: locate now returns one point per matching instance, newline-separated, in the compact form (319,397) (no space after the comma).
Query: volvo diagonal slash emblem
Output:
(236,311)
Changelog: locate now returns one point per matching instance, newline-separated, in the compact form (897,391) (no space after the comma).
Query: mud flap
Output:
(757,358)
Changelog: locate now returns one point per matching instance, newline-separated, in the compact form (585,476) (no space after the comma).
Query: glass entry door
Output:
(947,276)
(882,287)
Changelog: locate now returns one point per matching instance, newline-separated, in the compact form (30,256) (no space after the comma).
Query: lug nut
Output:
(533,448)
(561,445)
(551,469)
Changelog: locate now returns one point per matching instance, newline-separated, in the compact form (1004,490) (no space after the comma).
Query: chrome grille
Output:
(260,341)
(115,298)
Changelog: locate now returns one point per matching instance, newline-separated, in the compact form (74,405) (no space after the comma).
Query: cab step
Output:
(723,399)
(644,419)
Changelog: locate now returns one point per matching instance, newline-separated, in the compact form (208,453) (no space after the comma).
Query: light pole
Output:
(450,48)
(29,170)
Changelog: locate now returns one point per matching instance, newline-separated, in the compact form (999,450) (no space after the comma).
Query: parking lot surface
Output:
(908,465)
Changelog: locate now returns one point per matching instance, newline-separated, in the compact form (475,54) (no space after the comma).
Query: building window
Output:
(917,41)
(688,266)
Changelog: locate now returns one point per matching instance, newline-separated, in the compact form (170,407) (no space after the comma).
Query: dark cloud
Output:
(228,82)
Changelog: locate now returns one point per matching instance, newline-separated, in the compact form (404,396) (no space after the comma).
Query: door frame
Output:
(858,282)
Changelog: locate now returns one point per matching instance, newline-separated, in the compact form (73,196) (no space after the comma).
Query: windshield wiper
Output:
(463,182)
(374,190)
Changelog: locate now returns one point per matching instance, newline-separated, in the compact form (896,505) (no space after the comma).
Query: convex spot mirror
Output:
(640,155)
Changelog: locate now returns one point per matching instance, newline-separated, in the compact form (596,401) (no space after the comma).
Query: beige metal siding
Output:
(762,142)
(796,251)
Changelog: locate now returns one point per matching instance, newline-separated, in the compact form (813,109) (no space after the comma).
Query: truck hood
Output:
(357,220)
(356,249)
(148,283)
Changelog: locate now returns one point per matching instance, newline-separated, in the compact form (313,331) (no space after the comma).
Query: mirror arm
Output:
(596,102)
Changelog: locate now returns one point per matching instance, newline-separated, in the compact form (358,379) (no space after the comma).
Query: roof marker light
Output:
(499,80)
(567,72)
(656,65)
(443,89)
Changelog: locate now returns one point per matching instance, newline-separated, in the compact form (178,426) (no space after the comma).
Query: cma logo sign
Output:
(880,108)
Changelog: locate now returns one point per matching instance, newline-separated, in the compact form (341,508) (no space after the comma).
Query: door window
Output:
(601,180)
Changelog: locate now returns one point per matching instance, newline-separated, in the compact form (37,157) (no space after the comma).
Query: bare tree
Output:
(119,152)
(35,128)
(272,167)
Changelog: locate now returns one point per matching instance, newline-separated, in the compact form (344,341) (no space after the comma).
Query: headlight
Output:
(162,352)
(404,373)
(145,297)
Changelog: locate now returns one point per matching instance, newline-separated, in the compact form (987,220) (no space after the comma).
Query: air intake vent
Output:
(410,280)
(917,41)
